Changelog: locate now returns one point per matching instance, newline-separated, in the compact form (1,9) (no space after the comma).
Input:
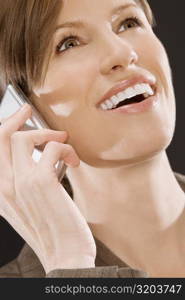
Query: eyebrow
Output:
(80,24)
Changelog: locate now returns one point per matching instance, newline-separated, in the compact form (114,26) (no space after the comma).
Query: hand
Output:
(34,202)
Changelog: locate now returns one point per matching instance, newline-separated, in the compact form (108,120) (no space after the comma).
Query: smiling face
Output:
(113,46)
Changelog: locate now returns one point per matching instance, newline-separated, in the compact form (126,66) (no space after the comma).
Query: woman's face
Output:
(108,50)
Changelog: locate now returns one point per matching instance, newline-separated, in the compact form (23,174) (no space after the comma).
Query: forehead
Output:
(76,9)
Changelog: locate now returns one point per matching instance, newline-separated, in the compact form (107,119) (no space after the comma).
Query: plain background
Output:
(170,29)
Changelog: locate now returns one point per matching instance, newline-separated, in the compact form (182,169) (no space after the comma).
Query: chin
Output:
(131,152)
(155,145)
(153,141)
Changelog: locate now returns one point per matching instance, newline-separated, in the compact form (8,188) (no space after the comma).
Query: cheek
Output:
(70,76)
(65,91)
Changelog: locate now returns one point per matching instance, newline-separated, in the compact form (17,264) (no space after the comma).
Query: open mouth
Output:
(135,99)
(133,95)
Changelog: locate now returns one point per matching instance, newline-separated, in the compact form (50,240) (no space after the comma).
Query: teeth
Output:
(130,92)
(115,100)
(104,106)
(149,89)
(138,89)
(109,104)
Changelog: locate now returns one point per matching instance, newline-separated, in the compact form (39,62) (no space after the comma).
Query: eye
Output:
(131,23)
(67,43)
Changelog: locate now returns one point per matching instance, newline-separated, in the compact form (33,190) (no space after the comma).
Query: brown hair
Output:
(26,31)
(26,28)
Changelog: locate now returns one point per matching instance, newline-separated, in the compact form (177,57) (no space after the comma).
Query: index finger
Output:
(15,121)
(23,143)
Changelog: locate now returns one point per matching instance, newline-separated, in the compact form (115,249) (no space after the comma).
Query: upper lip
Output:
(123,85)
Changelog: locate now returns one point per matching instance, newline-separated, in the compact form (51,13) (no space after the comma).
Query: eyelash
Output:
(72,36)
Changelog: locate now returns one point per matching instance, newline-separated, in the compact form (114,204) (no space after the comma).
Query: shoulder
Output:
(10,270)
(25,265)
(181,180)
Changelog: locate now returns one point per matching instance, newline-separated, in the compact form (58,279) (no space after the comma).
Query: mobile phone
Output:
(12,100)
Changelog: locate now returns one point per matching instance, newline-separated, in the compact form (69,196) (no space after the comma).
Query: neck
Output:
(133,207)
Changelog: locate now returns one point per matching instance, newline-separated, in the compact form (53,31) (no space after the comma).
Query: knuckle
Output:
(43,131)
(69,148)
(46,131)
(52,145)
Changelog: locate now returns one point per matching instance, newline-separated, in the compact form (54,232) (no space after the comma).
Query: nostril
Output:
(134,58)
(116,67)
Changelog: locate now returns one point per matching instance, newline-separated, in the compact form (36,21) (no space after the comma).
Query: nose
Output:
(118,53)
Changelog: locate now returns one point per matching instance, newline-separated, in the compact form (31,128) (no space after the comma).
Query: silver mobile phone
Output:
(12,100)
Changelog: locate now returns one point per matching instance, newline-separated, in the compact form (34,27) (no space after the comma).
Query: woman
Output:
(127,216)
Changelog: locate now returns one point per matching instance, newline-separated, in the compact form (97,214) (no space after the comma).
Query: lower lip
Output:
(144,106)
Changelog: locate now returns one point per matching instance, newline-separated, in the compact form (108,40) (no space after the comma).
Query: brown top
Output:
(107,263)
